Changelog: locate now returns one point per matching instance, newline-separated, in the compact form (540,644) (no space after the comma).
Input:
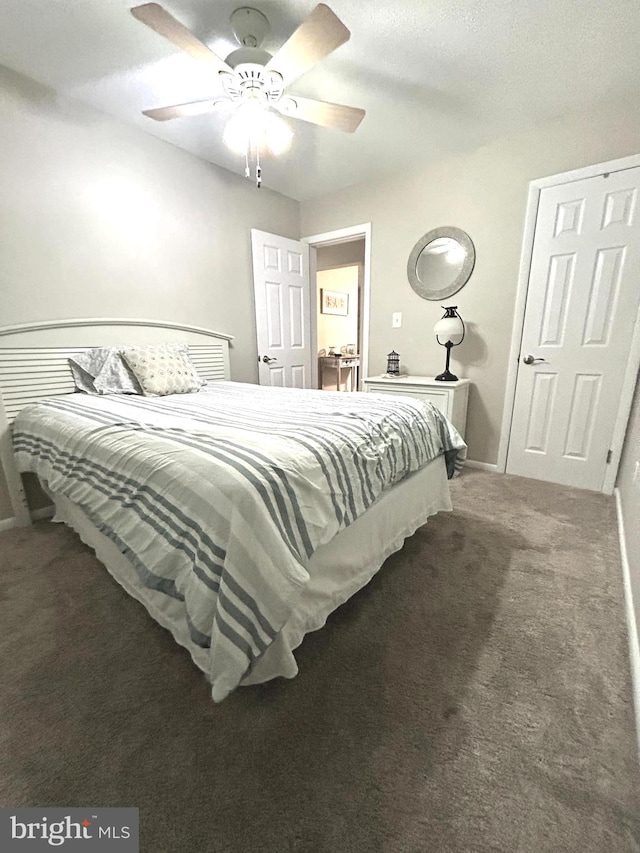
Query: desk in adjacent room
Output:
(349,363)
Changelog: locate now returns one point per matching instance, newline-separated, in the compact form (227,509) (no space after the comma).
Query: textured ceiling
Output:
(435,76)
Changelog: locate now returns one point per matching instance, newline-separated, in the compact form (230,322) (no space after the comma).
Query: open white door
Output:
(582,304)
(283,310)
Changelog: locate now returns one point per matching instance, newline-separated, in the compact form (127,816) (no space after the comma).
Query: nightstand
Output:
(449,397)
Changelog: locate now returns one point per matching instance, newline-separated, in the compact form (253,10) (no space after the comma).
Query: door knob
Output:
(529,359)
(268,360)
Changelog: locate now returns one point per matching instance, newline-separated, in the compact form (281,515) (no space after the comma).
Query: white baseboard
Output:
(485,466)
(36,515)
(45,512)
(632,627)
(7,524)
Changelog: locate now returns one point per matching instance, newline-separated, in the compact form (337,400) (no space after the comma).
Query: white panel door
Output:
(582,303)
(283,306)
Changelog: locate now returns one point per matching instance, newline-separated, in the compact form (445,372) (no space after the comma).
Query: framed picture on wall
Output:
(333,302)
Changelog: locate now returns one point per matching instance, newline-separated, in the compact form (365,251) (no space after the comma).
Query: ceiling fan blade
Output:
(322,113)
(161,22)
(195,108)
(316,37)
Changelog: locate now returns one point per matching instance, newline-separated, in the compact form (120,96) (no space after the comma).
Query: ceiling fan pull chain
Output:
(247,167)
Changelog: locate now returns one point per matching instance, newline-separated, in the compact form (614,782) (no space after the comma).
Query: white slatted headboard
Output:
(29,373)
(34,364)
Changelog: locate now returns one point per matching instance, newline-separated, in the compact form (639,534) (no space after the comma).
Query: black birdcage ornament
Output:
(393,363)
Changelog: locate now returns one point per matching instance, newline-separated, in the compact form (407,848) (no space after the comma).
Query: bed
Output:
(239,516)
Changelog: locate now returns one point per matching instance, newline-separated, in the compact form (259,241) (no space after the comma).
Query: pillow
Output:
(163,369)
(102,371)
(81,379)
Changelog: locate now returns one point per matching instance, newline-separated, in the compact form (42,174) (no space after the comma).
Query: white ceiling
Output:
(435,76)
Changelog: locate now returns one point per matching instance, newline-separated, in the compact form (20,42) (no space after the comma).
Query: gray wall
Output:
(100,220)
(484,193)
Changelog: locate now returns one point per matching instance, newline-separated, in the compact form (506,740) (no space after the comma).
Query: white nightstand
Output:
(449,397)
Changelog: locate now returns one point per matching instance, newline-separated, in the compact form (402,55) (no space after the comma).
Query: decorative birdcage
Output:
(393,363)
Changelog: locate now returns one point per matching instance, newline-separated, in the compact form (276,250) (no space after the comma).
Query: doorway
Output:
(338,315)
(339,263)
(576,342)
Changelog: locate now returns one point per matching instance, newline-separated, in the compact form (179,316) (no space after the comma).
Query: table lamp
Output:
(449,333)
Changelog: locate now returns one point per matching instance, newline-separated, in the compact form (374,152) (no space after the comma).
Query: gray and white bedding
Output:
(219,498)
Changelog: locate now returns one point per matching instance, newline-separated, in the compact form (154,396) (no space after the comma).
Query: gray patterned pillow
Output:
(101,370)
(163,369)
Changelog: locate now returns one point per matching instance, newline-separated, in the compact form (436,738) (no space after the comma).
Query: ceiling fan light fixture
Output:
(255,127)
(241,130)
(287,106)
(278,134)
(254,80)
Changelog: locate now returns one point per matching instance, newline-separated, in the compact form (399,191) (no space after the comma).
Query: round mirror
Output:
(441,263)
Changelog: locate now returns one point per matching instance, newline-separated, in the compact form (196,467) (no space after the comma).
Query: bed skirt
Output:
(337,570)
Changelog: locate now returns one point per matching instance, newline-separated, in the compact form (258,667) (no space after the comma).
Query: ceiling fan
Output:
(255,81)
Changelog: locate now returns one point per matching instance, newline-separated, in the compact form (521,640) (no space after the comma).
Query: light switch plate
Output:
(396,320)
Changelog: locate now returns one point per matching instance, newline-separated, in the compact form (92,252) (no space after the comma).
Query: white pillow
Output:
(163,369)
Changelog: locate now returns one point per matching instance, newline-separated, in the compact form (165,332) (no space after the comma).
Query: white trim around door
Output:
(632,624)
(344,235)
(633,363)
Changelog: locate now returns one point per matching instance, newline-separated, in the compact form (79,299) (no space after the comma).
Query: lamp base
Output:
(447,376)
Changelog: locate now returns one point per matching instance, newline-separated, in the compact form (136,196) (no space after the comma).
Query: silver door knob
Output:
(529,359)
(268,360)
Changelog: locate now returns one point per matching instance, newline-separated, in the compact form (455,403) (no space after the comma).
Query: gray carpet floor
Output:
(475,696)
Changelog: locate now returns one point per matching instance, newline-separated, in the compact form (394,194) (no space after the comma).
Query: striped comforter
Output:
(220,498)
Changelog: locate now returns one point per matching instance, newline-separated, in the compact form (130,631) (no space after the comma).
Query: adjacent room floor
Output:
(474,697)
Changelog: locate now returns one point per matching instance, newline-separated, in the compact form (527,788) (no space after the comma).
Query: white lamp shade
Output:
(277,133)
(253,125)
(449,329)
